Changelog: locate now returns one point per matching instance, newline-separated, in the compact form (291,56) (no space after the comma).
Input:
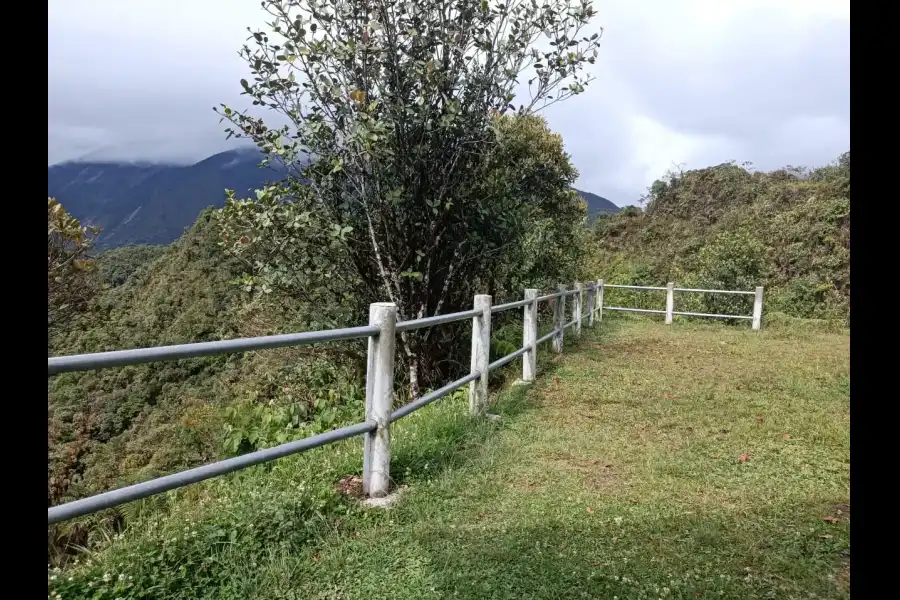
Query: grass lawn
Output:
(649,461)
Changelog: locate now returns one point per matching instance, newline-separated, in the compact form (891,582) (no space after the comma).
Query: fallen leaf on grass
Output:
(743,457)
(830,519)
(668,396)
(759,420)
(596,564)
(482,516)
(786,436)
(589,509)
(635,500)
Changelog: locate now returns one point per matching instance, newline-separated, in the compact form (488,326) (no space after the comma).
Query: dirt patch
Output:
(527,485)
(597,473)
(350,485)
(840,512)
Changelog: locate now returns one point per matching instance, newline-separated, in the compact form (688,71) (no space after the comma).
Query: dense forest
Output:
(428,187)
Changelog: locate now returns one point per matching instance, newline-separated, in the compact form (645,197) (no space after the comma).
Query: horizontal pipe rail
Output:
(508,358)
(549,297)
(119,358)
(85,362)
(436,320)
(646,310)
(547,337)
(112,498)
(634,287)
(432,396)
(570,323)
(501,307)
(712,291)
(715,316)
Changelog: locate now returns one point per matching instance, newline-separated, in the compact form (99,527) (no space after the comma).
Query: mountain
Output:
(143,203)
(597,204)
(152,203)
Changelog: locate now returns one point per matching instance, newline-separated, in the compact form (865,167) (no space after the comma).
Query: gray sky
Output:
(692,82)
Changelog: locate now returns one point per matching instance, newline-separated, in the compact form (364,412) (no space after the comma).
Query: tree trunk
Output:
(413,360)
(413,378)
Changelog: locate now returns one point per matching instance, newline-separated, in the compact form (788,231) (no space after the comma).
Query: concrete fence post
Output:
(481,349)
(529,336)
(576,306)
(670,302)
(599,299)
(757,308)
(559,319)
(379,400)
(591,294)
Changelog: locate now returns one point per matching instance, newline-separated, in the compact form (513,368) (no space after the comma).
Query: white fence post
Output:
(559,319)
(481,349)
(757,308)
(591,293)
(576,306)
(379,400)
(529,336)
(599,299)
(670,302)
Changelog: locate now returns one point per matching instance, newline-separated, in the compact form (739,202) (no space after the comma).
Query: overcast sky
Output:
(679,82)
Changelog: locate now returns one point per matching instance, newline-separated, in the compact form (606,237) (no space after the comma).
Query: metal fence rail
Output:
(711,315)
(121,358)
(714,291)
(635,287)
(670,311)
(643,310)
(170,482)
(381,332)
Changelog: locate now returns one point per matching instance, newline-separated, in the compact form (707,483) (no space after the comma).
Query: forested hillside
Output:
(727,227)
(153,203)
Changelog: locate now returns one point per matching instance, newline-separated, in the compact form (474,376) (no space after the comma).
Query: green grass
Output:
(618,474)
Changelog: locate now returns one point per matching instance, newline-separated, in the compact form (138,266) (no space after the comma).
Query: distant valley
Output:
(154,203)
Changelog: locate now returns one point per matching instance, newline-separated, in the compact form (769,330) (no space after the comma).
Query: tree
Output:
(391,108)
(70,282)
(529,174)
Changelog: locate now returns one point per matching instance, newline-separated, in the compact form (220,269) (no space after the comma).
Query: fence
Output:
(670,311)
(381,333)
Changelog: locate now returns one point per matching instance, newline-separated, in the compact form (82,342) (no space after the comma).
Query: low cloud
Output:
(690,83)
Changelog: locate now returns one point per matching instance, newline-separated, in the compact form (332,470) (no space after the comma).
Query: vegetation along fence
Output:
(670,311)
(381,333)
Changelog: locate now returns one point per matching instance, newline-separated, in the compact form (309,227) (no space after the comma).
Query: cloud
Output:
(691,83)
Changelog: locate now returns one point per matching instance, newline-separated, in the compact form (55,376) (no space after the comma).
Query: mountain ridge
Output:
(154,203)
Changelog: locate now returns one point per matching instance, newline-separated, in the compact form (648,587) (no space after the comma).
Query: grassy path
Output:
(663,462)
(691,461)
